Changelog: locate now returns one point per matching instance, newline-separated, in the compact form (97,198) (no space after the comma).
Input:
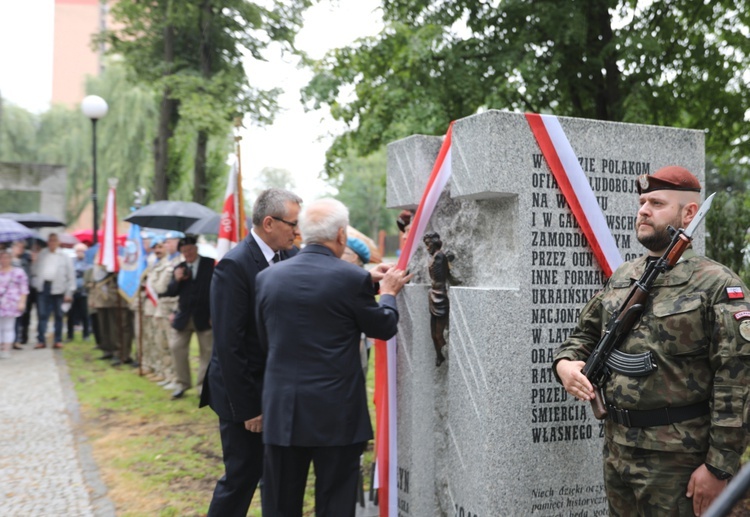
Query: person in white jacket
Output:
(55,281)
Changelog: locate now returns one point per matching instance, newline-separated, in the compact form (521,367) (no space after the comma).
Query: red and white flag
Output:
(233,226)
(108,250)
(386,439)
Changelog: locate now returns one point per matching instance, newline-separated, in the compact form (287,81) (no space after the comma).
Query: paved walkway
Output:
(46,468)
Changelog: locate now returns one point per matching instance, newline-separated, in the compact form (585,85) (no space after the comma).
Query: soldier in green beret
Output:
(674,437)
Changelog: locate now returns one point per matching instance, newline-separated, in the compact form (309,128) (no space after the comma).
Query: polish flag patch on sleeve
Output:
(735,293)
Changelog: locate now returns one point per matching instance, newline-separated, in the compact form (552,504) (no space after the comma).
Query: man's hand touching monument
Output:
(378,272)
(393,281)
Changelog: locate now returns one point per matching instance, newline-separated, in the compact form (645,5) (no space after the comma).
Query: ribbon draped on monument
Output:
(386,441)
(577,191)
(575,186)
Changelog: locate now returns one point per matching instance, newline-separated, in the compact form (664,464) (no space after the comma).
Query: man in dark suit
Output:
(310,312)
(191,283)
(235,373)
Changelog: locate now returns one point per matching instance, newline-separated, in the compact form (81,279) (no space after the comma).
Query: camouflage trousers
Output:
(641,482)
(164,364)
(149,354)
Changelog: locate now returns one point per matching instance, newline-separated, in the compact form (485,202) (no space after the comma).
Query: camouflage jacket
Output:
(102,288)
(149,309)
(160,277)
(700,339)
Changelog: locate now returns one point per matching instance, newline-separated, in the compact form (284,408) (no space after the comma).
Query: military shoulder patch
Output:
(741,314)
(735,293)
(745,329)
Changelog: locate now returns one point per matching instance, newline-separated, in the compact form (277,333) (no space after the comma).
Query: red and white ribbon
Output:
(576,188)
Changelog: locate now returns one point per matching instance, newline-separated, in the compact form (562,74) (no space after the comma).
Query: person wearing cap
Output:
(166,306)
(147,301)
(675,436)
(191,283)
(356,251)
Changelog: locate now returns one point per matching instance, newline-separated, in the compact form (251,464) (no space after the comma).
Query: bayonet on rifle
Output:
(605,356)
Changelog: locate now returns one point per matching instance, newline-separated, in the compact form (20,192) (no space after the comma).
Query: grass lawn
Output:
(158,457)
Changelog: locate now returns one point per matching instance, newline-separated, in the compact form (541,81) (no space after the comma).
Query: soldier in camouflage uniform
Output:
(103,293)
(674,437)
(150,355)
(160,278)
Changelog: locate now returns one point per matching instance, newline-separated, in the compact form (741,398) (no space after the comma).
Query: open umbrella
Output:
(67,240)
(87,237)
(11,230)
(169,215)
(209,225)
(33,219)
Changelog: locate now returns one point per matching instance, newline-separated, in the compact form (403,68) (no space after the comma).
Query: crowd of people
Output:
(311,407)
(282,322)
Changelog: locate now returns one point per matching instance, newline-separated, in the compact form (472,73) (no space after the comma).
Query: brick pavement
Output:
(46,468)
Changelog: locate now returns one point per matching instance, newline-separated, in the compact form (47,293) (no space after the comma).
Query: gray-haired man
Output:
(235,372)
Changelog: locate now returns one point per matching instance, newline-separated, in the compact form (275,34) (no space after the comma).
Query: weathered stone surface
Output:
(507,439)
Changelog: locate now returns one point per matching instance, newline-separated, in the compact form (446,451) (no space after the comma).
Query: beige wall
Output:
(73,58)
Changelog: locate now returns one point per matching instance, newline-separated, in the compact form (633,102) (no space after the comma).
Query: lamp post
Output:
(94,107)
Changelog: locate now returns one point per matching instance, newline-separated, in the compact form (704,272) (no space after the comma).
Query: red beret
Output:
(671,177)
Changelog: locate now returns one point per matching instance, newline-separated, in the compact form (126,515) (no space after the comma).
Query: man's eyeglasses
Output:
(289,223)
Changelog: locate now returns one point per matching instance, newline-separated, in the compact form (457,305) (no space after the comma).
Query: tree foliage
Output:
(361,187)
(192,52)
(676,63)
(62,136)
(273,177)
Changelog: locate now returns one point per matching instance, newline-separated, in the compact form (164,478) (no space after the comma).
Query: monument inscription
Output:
(507,439)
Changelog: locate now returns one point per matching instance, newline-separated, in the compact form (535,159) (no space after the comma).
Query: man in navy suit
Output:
(235,373)
(191,283)
(311,311)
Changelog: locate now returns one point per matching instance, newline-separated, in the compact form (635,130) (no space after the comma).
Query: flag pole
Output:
(240,198)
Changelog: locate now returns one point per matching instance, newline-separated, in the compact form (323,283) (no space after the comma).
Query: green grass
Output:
(158,457)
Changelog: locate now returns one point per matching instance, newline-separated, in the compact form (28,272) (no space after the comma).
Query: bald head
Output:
(324,222)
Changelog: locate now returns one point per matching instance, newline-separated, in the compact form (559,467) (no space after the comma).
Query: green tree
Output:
(63,136)
(361,187)
(192,53)
(17,133)
(272,177)
(674,63)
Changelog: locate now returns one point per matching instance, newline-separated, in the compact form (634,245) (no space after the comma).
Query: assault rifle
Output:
(606,357)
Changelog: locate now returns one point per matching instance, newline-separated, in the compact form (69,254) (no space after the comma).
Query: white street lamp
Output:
(94,107)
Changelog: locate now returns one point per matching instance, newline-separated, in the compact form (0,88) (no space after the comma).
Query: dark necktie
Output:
(276,258)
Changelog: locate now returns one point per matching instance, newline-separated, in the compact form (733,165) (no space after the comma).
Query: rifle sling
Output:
(654,417)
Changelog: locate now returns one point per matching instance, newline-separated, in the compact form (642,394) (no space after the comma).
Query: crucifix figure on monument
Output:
(440,275)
